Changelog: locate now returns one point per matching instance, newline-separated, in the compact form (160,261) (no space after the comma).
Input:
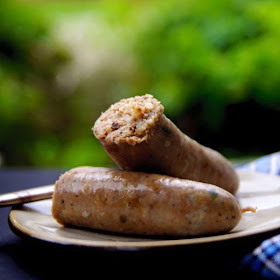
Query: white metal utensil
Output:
(28,195)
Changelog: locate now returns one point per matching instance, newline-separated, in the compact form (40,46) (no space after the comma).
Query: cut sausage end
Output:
(129,120)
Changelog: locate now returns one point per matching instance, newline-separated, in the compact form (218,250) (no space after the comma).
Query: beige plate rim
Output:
(22,229)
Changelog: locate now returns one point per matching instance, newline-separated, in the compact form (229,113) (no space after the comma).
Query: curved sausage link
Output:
(139,137)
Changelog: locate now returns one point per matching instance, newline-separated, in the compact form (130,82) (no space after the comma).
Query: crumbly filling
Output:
(128,120)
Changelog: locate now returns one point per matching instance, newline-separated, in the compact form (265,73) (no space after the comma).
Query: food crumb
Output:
(249,209)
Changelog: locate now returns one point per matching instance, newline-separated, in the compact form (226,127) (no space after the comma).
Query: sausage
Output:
(139,137)
(142,203)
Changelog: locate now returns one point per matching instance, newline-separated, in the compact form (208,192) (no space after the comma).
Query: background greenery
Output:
(215,66)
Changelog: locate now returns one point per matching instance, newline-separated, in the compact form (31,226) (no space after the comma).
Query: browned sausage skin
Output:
(142,203)
(138,136)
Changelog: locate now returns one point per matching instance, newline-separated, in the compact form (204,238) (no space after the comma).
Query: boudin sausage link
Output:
(139,137)
(142,203)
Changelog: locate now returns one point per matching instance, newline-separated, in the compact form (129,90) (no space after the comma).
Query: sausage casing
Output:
(142,203)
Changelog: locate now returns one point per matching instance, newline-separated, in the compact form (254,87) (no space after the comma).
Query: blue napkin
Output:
(265,259)
(269,164)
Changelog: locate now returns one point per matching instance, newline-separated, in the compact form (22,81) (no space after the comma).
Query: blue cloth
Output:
(265,259)
(269,164)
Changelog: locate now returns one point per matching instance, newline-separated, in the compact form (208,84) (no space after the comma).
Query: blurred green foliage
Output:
(63,63)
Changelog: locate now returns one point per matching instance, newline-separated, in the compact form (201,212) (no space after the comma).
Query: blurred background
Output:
(214,65)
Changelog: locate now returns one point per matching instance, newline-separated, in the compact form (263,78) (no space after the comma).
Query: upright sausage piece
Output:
(142,203)
(138,136)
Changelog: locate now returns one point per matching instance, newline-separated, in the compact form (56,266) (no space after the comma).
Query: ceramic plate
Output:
(256,190)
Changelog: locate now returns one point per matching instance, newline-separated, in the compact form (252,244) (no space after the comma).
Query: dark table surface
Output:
(22,258)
